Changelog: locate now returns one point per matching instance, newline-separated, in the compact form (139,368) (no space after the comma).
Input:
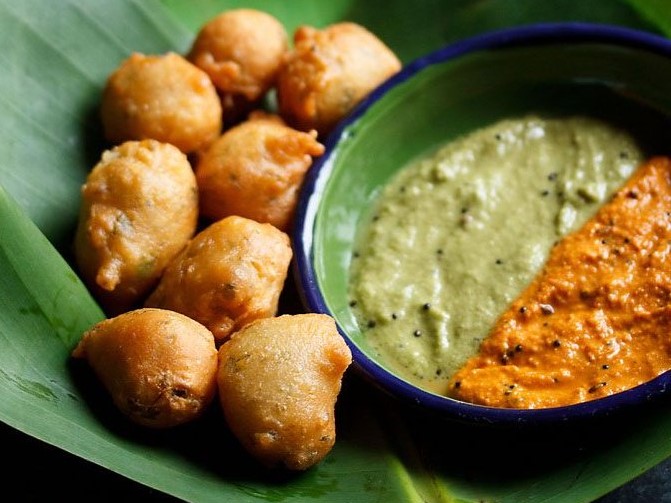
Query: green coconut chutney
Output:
(455,237)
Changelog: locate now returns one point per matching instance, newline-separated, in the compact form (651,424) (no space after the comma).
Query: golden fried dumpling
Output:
(139,209)
(255,170)
(159,367)
(161,97)
(230,274)
(242,51)
(329,72)
(278,380)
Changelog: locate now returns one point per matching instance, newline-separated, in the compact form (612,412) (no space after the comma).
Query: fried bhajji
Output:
(230,274)
(255,170)
(165,98)
(278,380)
(139,209)
(329,72)
(159,367)
(242,51)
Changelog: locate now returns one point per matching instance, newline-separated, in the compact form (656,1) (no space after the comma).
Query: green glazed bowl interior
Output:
(551,70)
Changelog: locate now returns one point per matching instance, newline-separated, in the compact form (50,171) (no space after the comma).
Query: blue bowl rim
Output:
(313,300)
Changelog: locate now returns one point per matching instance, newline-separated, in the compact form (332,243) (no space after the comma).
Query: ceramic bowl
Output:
(551,69)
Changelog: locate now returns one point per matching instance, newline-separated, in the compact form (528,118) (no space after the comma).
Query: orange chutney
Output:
(597,318)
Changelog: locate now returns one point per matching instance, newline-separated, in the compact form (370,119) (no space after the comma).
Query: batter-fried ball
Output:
(255,170)
(139,209)
(164,98)
(242,51)
(230,274)
(159,367)
(279,379)
(329,72)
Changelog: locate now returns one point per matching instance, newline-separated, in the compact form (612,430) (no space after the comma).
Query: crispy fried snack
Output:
(139,209)
(255,170)
(279,379)
(164,98)
(230,274)
(329,72)
(242,51)
(158,366)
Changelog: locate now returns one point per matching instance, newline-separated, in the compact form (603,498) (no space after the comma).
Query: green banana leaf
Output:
(55,58)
